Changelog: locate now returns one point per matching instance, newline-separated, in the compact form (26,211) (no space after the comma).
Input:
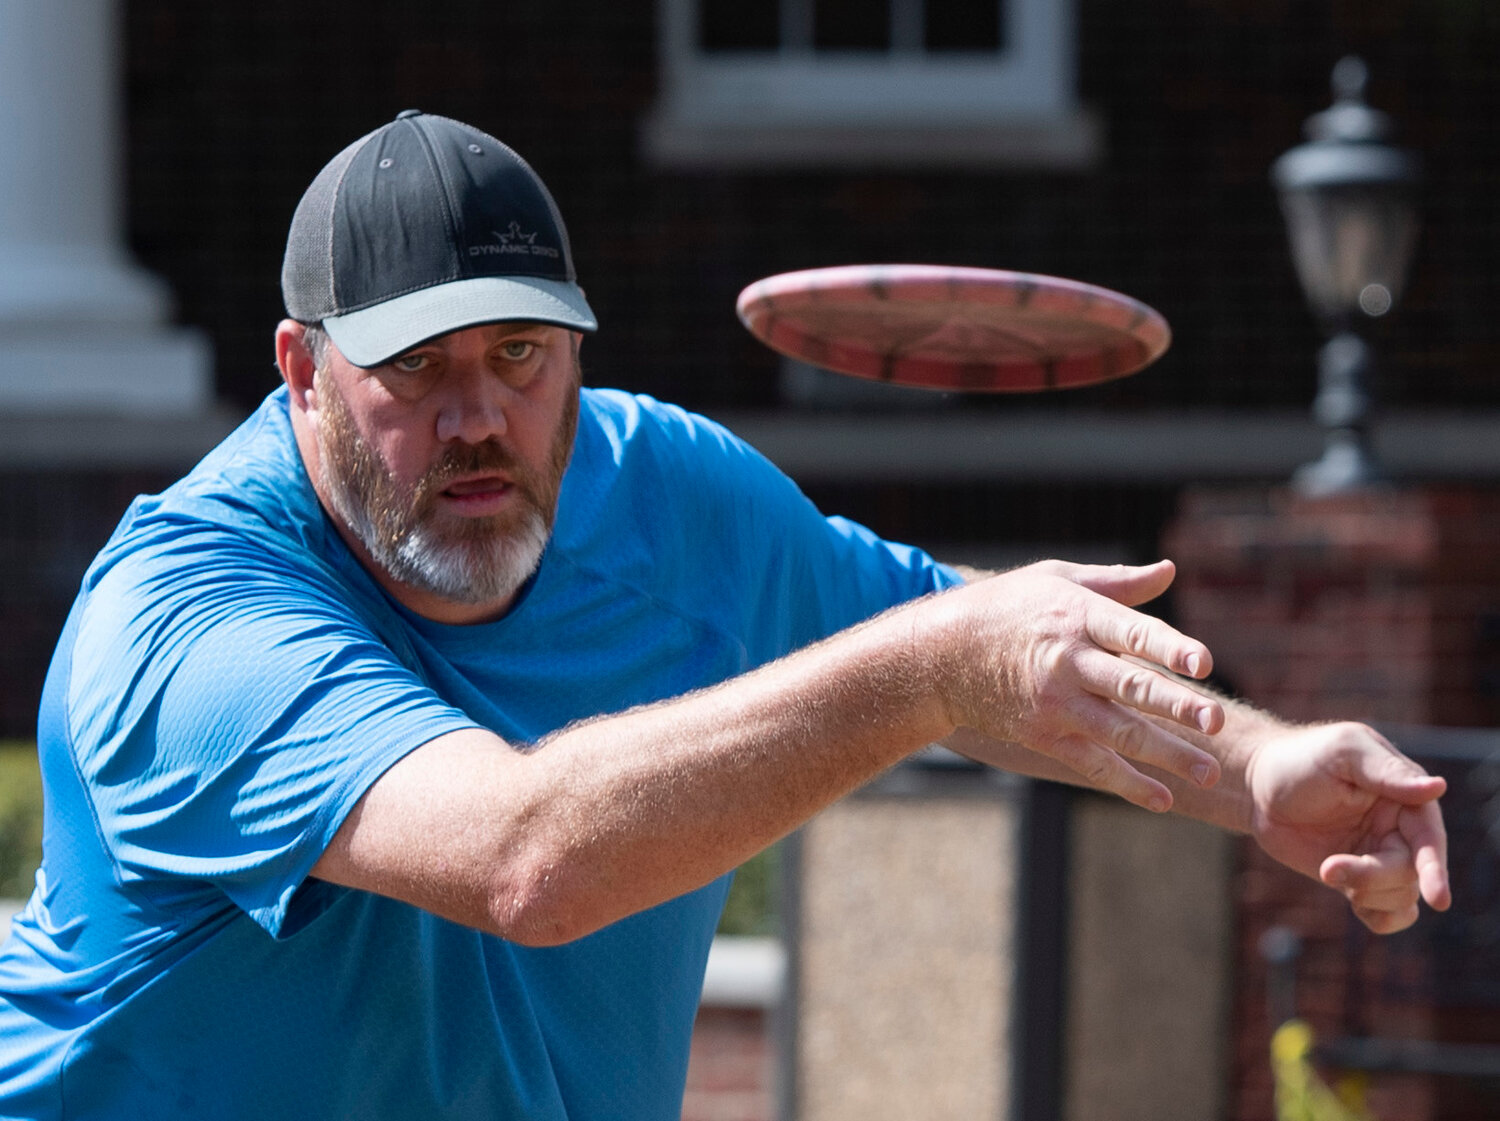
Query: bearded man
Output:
(397,757)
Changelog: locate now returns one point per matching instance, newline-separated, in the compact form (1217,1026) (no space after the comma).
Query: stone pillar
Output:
(82,329)
(1382,606)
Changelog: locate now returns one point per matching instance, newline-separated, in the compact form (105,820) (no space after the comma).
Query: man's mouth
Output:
(481,495)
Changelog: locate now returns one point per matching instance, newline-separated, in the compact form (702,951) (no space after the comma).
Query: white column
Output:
(82,327)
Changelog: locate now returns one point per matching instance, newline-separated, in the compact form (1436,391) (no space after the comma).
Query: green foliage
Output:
(20,818)
(752,905)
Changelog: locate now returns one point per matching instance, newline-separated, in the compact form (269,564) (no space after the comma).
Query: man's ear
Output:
(296,364)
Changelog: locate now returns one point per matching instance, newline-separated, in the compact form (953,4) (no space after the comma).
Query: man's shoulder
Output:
(639,427)
(632,413)
(250,494)
(254,478)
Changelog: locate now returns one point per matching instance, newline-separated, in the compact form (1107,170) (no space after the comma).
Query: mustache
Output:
(466,459)
(469,459)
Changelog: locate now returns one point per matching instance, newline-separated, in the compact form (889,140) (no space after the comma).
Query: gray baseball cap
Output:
(422,227)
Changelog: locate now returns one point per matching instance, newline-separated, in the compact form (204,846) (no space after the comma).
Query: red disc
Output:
(951,328)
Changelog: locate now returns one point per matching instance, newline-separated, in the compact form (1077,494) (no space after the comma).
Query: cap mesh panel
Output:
(307,271)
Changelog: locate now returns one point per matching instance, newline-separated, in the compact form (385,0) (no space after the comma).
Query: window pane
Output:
(739,25)
(964,25)
(861,25)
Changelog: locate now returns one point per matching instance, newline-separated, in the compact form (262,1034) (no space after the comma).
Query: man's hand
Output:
(1339,803)
(1041,662)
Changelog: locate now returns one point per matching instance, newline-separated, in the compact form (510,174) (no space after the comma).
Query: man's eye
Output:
(517,350)
(409,363)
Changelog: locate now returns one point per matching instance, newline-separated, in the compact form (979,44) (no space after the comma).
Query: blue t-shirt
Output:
(231,681)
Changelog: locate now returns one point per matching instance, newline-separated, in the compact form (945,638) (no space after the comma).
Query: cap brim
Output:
(375,335)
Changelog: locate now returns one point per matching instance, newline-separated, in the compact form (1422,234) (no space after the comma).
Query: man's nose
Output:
(474,405)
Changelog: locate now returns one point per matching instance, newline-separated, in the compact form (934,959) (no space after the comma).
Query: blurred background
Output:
(155,149)
(1124,145)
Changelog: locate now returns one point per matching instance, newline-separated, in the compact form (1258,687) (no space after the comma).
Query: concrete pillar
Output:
(903,940)
(82,328)
(919,969)
(1150,948)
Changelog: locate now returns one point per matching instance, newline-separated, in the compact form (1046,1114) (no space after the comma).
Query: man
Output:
(397,756)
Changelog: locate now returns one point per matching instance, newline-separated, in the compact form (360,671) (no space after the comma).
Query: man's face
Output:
(445,464)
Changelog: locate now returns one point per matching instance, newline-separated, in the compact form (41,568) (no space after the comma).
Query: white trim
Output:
(803,88)
(1014,107)
(1072,142)
(744,973)
(126,370)
(1172,447)
(65,440)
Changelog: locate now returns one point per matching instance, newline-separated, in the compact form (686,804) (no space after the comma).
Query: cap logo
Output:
(512,241)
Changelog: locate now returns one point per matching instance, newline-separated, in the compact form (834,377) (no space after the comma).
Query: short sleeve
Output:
(227,709)
(740,532)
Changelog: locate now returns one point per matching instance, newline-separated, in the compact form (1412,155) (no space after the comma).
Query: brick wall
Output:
(1382,606)
(733,1066)
(51,524)
(731,1071)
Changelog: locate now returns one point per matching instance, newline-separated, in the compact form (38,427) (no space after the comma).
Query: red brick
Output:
(730,1068)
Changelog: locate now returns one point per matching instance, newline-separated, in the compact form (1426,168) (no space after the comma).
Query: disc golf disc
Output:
(951,328)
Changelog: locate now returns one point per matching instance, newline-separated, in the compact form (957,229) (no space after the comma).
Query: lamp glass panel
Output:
(1346,239)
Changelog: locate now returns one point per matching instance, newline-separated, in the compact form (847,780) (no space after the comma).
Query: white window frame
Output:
(797,106)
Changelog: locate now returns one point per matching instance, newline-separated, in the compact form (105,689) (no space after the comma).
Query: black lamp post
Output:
(1350,204)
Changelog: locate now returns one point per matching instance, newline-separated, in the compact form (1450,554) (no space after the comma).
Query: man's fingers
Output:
(1145,690)
(1071,655)
(1422,828)
(1385,887)
(1423,837)
(1129,632)
(1392,774)
(1369,882)
(1122,732)
(1389,864)
(1105,769)
(1381,888)
(1409,864)
(1123,631)
(1387,922)
(1129,584)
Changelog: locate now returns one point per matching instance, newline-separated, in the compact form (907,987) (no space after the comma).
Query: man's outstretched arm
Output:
(605,818)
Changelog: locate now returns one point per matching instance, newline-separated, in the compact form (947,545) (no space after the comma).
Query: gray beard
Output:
(480,570)
(467,562)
